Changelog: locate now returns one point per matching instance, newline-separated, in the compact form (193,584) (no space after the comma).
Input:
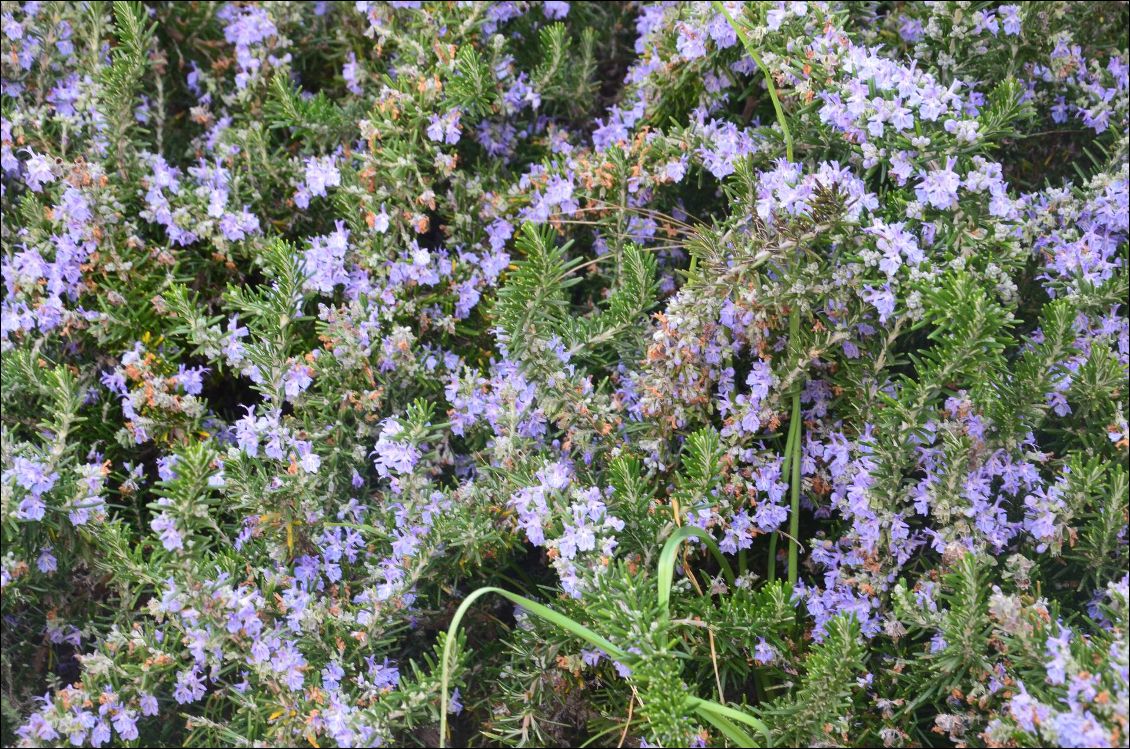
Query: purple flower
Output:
(760,381)
(296,380)
(769,516)
(100,734)
(148,704)
(1080,728)
(468,297)
(723,145)
(320,174)
(445,128)
(498,233)
(555,9)
(380,221)
(349,72)
(247,26)
(721,32)
(166,470)
(37,727)
(290,663)
(691,41)
(189,686)
(894,243)
(38,172)
(309,460)
(47,562)
(938,188)
(911,29)
(394,456)
(1027,711)
(1059,654)
(247,432)
(935,100)
(191,379)
(763,652)
(384,676)
(236,226)
(125,723)
(31,508)
(883,299)
(555,476)
(622,669)
(324,262)
(521,94)
(31,475)
(165,525)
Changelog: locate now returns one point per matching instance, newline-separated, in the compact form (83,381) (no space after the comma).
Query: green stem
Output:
(771,574)
(533,607)
(794,506)
(792,443)
(785,471)
(769,84)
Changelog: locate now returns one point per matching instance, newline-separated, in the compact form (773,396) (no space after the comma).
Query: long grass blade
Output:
(716,708)
(535,608)
(728,729)
(667,561)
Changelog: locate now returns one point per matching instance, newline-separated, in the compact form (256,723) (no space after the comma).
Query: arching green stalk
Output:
(535,608)
(717,714)
(795,428)
(769,84)
(718,710)
(793,441)
(728,729)
(667,562)
(771,573)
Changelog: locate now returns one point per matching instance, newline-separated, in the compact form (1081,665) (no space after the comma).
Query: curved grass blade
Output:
(535,608)
(728,729)
(667,561)
(724,711)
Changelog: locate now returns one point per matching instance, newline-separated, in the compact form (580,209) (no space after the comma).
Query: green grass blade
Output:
(786,470)
(718,709)
(794,504)
(728,729)
(782,121)
(535,608)
(667,561)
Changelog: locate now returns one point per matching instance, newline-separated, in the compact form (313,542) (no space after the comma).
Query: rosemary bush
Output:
(548,373)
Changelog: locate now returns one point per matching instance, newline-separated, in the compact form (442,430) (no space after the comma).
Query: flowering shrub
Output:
(770,357)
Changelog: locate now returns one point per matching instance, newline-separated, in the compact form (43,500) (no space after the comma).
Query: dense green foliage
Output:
(554,374)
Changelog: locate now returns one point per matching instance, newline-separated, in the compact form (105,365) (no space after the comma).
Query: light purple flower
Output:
(763,652)
(166,526)
(47,563)
(394,456)
(148,705)
(189,686)
(445,128)
(938,188)
(125,723)
(320,174)
(38,172)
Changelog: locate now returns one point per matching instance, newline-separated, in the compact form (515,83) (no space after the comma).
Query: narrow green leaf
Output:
(667,561)
(535,608)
